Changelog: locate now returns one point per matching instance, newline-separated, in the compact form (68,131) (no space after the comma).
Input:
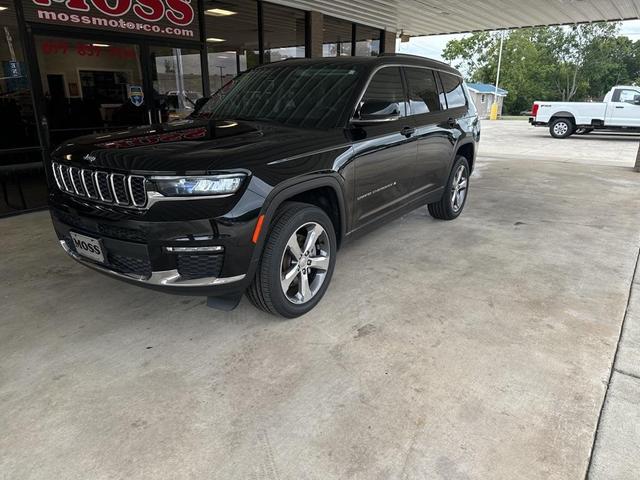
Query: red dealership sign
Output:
(166,18)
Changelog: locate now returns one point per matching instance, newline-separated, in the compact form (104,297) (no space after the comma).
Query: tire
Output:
(454,198)
(291,223)
(561,128)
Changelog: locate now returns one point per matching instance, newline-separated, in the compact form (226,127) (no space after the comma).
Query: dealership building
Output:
(74,67)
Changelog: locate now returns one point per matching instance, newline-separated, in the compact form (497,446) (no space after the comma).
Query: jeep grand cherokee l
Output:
(257,190)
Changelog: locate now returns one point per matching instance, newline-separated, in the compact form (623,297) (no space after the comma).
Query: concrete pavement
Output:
(480,348)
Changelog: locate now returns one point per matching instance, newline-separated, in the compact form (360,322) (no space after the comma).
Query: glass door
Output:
(91,86)
(176,75)
(22,177)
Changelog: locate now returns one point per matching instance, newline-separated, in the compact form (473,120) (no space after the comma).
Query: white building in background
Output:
(483,95)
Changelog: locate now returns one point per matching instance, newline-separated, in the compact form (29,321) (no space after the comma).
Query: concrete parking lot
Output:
(475,349)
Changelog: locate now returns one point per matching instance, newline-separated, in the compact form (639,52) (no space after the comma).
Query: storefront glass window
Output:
(232,39)
(90,86)
(336,38)
(177,82)
(22,182)
(17,122)
(284,33)
(367,41)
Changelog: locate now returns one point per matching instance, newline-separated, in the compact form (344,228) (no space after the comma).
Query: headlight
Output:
(199,186)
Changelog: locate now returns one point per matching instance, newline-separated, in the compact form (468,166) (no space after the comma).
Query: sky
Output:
(433,46)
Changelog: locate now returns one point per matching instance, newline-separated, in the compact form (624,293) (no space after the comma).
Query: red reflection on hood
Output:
(189,134)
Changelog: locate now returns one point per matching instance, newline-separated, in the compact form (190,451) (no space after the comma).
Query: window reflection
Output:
(367,41)
(284,33)
(17,121)
(177,81)
(232,39)
(22,181)
(336,38)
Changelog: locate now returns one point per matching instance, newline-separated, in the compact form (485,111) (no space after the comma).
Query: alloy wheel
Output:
(561,128)
(459,188)
(305,262)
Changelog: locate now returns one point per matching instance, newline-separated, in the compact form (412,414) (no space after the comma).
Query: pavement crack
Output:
(627,374)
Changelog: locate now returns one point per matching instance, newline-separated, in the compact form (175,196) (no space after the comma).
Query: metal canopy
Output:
(432,17)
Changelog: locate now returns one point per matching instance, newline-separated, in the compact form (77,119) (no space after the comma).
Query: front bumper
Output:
(135,249)
(170,278)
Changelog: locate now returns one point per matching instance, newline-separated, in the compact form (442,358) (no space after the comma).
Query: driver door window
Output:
(628,96)
(385,95)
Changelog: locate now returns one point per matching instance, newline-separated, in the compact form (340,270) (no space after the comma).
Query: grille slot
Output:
(130,265)
(112,188)
(119,186)
(89,183)
(76,181)
(137,190)
(192,267)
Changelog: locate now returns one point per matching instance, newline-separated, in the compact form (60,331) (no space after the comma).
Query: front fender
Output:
(289,189)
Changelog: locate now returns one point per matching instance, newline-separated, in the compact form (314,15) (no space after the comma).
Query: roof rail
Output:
(408,55)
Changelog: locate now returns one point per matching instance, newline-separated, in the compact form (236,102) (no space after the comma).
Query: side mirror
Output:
(200,103)
(372,112)
(636,99)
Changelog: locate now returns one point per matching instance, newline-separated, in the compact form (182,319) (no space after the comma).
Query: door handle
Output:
(408,131)
(620,108)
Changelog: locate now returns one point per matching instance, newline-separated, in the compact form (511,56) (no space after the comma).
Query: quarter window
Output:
(423,91)
(453,90)
(385,94)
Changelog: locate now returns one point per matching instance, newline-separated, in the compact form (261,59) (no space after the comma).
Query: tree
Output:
(550,63)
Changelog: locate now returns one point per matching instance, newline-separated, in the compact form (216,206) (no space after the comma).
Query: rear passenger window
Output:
(385,95)
(453,90)
(423,92)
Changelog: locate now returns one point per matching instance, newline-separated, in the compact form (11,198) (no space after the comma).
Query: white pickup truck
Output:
(620,110)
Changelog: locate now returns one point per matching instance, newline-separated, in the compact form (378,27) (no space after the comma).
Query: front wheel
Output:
(297,262)
(454,199)
(561,128)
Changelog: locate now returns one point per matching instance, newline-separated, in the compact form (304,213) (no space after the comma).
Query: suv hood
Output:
(193,146)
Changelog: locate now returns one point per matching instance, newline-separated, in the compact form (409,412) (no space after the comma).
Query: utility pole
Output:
(494,107)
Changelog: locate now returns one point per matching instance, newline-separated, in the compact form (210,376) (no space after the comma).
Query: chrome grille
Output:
(113,188)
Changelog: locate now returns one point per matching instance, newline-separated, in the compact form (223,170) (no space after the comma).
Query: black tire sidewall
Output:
(570,128)
(279,300)
(451,214)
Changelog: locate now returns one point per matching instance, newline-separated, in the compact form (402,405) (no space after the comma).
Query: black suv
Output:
(257,190)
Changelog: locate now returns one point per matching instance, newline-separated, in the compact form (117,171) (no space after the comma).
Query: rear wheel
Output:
(561,128)
(297,262)
(454,199)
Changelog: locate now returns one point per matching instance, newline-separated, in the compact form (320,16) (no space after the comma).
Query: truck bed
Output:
(584,112)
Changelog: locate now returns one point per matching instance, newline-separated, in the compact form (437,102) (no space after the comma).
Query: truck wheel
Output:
(297,262)
(561,128)
(455,194)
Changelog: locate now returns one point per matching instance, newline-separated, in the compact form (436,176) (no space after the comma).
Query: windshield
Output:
(308,96)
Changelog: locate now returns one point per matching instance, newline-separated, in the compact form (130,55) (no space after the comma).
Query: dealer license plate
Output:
(88,247)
